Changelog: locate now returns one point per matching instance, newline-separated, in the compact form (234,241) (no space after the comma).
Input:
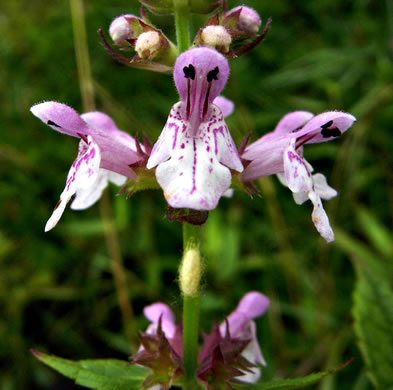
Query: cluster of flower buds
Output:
(230,353)
(232,33)
(154,51)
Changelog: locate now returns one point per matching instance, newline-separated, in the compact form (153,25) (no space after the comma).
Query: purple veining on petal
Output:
(194,168)
(174,134)
(199,74)
(205,174)
(215,131)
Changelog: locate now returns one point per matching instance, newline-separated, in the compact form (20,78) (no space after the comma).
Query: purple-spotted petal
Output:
(293,121)
(117,148)
(82,176)
(227,106)
(86,197)
(197,174)
(324,127)
(297,174)
(300,181)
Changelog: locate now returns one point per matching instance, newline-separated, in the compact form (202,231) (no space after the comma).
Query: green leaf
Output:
(373,314)
(292,383)
(101,374)
(289,384)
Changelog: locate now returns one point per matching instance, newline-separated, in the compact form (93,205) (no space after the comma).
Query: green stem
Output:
(182,23)
(191,239)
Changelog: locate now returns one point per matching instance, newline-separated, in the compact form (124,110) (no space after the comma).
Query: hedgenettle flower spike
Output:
(105,154)
(195,151)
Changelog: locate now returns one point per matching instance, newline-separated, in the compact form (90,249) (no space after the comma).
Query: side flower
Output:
(281,152)
(105,154)
(195,152)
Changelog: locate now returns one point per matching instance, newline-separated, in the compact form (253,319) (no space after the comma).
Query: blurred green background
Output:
(57,291)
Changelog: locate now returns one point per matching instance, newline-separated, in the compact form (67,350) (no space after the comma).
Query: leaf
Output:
(292,383)
(373,314)
(100,374)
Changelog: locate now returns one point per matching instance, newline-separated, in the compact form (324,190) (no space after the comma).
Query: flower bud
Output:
(216,37)
(190,272)
(247,20)
(124,27)
(148,44)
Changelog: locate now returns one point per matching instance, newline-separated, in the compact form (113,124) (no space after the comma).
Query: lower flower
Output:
(230,353)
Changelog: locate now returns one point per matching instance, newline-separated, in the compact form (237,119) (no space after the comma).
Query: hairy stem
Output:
(191,240)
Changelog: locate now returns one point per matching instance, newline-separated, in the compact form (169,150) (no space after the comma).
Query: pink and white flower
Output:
(195,152)
(281,152)
(105,154)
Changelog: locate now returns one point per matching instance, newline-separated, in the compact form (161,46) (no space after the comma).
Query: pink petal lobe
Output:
(253,304)
(160,310)
(266,156)
(156,310)
(60,117)
(292,122)
(227,106)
